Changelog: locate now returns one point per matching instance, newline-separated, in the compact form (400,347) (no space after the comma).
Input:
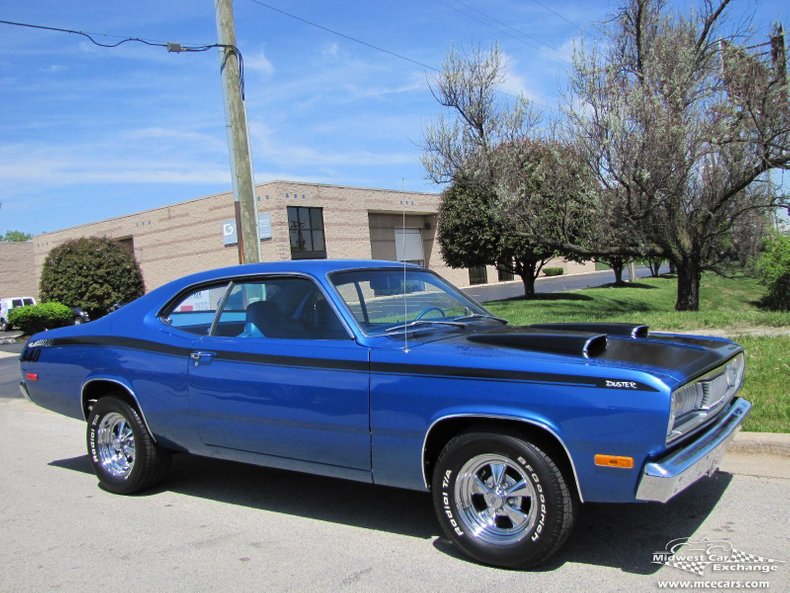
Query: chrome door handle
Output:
(198,356)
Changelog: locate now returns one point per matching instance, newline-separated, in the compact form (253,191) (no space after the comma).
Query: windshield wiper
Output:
(417,322)
(473,316)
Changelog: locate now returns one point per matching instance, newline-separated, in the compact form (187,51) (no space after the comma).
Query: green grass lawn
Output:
(727,304)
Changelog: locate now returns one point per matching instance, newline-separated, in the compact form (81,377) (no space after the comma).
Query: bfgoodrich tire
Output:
(502,500)
(122,452)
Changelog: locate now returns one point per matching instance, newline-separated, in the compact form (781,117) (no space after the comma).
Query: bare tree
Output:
(505,205)
(480,122)
(678,120)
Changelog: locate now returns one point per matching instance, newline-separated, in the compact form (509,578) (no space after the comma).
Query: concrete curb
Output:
(761,443)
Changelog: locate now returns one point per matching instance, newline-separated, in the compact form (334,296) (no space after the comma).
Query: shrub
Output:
(773,268)
(94,273)
(553,271)
(36,318)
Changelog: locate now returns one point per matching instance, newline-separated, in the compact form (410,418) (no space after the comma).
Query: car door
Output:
(279,375)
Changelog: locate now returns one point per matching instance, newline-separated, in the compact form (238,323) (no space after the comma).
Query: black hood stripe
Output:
(387,368)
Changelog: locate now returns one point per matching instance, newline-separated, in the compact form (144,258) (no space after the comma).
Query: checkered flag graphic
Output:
(698,565)
(695,566)
(739,557)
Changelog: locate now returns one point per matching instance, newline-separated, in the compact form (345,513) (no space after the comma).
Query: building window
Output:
(306,229)
(503,275)
(478,275)
(127,243)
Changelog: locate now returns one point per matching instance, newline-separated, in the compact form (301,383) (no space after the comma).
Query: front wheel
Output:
(502,500)
(122,452)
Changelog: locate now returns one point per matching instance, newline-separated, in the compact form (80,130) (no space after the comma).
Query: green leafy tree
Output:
(773,268)
(472,234)
(94,273)
(16,237)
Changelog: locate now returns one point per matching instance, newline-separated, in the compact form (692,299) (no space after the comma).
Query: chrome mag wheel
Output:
(115,445)
(495,499)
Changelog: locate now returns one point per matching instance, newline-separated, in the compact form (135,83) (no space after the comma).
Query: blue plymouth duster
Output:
(385,373)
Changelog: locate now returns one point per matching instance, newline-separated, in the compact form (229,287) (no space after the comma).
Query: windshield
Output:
(388,300)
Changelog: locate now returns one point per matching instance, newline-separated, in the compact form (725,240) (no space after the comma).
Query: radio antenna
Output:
(403,287)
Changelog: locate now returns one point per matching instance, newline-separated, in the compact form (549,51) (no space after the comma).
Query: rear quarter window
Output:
(195,311)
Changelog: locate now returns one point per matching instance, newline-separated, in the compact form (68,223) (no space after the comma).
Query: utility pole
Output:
(244,201)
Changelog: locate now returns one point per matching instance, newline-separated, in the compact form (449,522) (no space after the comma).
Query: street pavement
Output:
(221,526)
(484,293)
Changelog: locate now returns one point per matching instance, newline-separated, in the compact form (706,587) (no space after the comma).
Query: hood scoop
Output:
(631,330)
(560,341)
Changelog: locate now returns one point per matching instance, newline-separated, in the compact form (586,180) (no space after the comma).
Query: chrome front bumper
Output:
(664,478)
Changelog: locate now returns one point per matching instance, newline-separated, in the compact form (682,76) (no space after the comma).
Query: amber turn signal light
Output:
(614,461)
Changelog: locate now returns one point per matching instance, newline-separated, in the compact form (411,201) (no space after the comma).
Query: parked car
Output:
(80,316)
(385,373)
(8,304)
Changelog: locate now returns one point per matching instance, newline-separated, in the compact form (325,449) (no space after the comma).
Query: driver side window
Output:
(279,308)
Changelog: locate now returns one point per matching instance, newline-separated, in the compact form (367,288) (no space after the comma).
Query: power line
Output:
(344,36)
(562,16)
(520,34)
(170,46)
(370,45)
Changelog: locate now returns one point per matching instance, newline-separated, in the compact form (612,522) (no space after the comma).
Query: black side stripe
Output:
(389,368)
(122,342)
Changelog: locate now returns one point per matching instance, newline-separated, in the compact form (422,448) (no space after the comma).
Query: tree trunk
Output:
(529,285)
(655,267)
(689,275)
(527,271)
(617,268)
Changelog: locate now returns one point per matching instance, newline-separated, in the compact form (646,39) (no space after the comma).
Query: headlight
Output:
(693,403)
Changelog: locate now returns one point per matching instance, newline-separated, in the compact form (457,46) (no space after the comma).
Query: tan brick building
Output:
(298,220)
(17,277)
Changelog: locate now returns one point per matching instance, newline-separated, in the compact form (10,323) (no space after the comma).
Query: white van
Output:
(12,303)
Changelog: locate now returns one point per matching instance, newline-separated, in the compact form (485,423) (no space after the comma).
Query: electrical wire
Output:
(370,45)
(344,36)
(519,36)
(168,45)
(562,16)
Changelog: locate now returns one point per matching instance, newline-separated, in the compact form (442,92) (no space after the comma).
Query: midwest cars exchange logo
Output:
(718,555)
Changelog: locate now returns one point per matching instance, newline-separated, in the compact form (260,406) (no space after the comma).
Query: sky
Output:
(89,133)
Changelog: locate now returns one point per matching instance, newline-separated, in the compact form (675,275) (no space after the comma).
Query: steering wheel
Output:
(427,310)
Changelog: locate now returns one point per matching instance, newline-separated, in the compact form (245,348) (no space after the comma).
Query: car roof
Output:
(313,267)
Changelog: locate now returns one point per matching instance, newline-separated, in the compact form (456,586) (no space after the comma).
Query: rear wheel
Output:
(502,500)
(122,452)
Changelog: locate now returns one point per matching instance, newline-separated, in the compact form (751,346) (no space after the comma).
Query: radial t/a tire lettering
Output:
(123,454)
(502,500)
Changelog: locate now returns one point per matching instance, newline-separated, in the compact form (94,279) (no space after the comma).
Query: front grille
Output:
(694,403)
(714,391)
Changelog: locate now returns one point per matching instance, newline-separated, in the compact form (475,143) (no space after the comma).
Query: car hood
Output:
(578,348)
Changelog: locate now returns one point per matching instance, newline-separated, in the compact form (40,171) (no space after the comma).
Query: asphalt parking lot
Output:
(217,526)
